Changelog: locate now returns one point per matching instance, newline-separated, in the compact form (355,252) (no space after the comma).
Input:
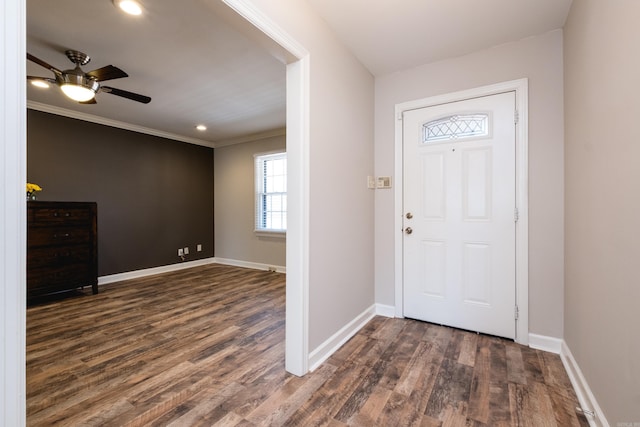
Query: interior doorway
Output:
(13,264)
(297,287)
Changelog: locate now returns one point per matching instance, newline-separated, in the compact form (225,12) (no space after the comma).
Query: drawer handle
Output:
(67,214)
(55,236)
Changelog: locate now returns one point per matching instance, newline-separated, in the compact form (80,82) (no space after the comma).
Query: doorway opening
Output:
(14,216)
(297,258)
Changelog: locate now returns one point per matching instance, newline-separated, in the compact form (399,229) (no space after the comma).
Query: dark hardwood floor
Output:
(205,346)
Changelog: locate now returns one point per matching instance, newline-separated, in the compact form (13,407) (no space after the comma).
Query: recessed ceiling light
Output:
(131,7)
(201,127)
(40,83)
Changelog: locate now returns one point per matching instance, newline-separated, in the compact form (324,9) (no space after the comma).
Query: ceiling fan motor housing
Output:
(77,57)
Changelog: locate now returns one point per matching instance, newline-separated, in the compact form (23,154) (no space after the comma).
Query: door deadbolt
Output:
(409,215)
(408,230)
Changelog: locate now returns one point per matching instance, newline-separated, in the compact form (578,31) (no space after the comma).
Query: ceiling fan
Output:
(81,86)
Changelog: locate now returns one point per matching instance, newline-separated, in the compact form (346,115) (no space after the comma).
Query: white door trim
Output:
(13,215)
(522,196)
(298,93)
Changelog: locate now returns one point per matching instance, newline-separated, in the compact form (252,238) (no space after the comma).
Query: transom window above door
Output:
(456,127)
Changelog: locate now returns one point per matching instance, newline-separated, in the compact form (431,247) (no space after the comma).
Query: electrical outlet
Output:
(180,252)
(199,248)
(186,250)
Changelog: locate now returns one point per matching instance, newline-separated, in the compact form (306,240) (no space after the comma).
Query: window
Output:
(271,192)
(456,127)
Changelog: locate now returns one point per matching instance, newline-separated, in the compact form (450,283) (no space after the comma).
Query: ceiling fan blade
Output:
(46,79)
(126,94)
(107,73)
(43,64)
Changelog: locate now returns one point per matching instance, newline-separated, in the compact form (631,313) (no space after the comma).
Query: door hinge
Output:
(516,215)
(586,412)
(517,312)
(516,116)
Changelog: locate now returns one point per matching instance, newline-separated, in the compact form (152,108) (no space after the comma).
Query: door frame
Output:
(520,87)
(297,59)
(13,111)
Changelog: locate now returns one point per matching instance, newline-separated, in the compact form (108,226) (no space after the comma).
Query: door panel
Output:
(476,274)
(459,186)
(434,271)
(434,195)
(476,181)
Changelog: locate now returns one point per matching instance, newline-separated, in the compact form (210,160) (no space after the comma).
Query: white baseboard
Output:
(545,343)
(103,280)
(326,349)
(386,310)
(583,391)
(249,264)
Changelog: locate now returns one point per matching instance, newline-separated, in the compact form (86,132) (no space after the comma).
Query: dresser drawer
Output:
(61,215)
(39,236)
(59,277)
(47,256)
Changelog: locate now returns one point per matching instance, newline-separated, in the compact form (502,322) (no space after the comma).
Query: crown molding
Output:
(115,123)
(250,138)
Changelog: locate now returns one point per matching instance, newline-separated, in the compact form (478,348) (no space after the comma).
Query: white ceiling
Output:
(394,35)
(200,63)
(196,67)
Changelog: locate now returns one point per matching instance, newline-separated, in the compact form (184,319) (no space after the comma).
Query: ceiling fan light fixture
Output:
(78,93)
(78,87)
(131,7)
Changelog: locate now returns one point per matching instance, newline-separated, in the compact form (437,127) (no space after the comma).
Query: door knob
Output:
(408,230)
(409,215)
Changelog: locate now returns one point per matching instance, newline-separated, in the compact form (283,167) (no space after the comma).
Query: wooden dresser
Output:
(62,247)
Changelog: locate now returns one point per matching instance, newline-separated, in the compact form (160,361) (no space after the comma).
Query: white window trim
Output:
(276,234)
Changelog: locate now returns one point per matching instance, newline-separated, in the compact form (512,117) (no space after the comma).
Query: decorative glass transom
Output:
(456,127)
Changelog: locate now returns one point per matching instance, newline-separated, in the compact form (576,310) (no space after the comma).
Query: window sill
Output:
(271,233)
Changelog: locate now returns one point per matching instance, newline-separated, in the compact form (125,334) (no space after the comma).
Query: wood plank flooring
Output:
(205,347)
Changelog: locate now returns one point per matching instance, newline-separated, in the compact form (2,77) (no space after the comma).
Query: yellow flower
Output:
(33,187)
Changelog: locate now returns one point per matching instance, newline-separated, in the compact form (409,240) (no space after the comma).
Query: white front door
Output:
(459,214)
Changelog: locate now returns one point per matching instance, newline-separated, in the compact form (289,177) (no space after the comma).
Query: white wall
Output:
(602,284)
(341,283)
(540,60)
(234,205)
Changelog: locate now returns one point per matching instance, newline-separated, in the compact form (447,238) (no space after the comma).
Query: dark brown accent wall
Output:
(154,195)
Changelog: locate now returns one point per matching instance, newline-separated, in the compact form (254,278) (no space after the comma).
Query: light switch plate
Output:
(371,182)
